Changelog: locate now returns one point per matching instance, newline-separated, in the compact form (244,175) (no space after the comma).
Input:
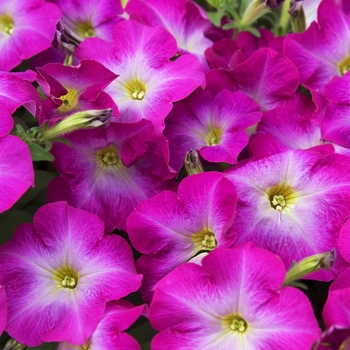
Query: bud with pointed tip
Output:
(80,120)
(309,265)
(192,163)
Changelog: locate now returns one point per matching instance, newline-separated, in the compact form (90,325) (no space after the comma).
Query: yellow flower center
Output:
(6,24)
(85,30)
(344,65)
(214,136)
(108,157)
(69,100)
(66,277)
(282,197)
(235,323)
(204,240)
(136,89)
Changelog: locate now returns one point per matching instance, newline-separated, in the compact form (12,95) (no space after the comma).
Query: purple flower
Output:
(148,80)
(108,171)
(323,50)
(109,334)
(60,272)
(26,28)
(233,300)
(169,229)
(184,19)
(3,309)
(293,203)
(73,89)
(213,124)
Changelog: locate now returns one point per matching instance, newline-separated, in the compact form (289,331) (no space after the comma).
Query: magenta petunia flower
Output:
(16,92)
(293,203)
(170,229)
(109,334)
(184,19)
(90,18)
(335,337)
(233,300)
(16,170)
(59,274)
(73,89)
(213,124)
(273,78)
(323,50)
(26,28)
(3,309)
(108,171)
(148,80)
(336,311)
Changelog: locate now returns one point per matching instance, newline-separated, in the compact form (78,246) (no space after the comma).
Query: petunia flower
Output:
(213,124)
(293,203)
(26,28)
(90,18)
(233,300)
(148,80)
(3,309)
(169,229)
(73,89)
(108,171)
(109,334)
(59,274)
(274,78)
(16,170)
(323,50)
(184,19)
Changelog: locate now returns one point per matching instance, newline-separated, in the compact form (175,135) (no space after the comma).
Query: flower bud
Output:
(193,163)
(65,39)
(12,344)
(309,265)
(81,120)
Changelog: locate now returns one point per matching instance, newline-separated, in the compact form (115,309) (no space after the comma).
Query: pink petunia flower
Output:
(184,19)
(26,28)
(273,78)
(109,334)
(59,274)
(169,229)
(233,300)
(323,50)
(73,89)
(148,80)
(293,203)
(108,171)
(3,309)
(213,124)
(90,18)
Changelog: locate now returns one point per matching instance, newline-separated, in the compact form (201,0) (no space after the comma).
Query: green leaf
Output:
(215,18)
(38,153)
(230,25)
(298,285)
(254,31)
(62,140)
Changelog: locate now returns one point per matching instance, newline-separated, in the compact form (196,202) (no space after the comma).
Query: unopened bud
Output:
(297,16)
(80,120)
(192,163)
(254,10)
(13,344)
(309,265)
(65,39)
